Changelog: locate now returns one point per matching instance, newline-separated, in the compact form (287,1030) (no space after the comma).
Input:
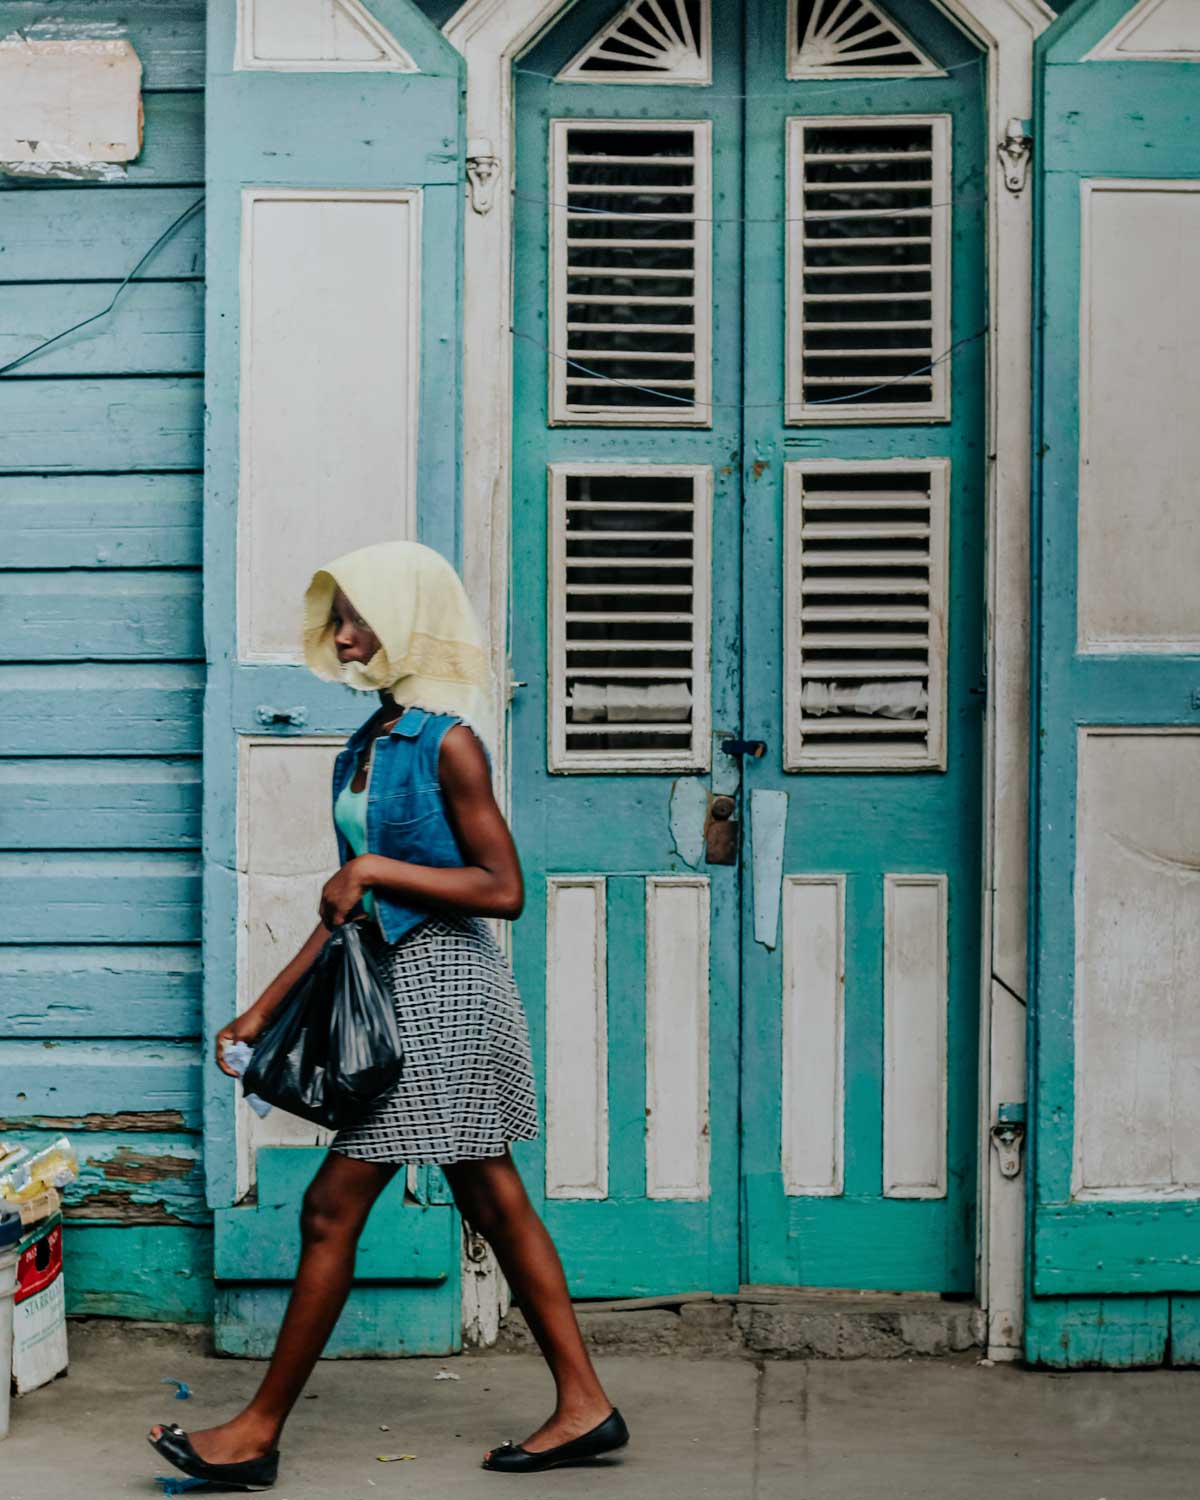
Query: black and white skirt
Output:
(467,1087)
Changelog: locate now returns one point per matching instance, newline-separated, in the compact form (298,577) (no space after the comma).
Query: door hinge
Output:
(1015,151)
(483,173)
(1008,1137)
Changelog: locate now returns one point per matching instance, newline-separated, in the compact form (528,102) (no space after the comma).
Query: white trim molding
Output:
(491,35)
(1174,27)
(315,36)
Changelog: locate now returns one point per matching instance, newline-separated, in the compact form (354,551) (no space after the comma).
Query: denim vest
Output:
(406,812)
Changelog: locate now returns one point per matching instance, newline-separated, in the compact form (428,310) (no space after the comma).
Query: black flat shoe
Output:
(251,1474)
(511,1458)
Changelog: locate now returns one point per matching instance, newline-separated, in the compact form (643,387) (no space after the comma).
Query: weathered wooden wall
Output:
(101,673)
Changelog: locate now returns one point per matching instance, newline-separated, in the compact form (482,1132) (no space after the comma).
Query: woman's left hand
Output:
(342,892)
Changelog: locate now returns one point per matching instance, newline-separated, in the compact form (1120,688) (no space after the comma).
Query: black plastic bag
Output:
(332,1047)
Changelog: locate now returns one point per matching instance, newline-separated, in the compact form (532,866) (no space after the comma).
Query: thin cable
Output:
(808,85)
(647,390)
(664,192)
(104,312)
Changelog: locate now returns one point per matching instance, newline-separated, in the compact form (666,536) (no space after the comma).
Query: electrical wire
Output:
(104,312)
(808,86)
(647,390)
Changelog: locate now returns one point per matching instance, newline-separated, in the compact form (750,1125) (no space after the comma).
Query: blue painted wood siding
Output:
(101,682)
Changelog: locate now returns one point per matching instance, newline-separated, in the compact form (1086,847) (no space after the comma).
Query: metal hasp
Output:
(1015,150)
(1008,1137)
(280,718)
(756,749)
(721,832)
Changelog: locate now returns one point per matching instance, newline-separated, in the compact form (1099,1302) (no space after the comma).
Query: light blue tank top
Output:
(350,815)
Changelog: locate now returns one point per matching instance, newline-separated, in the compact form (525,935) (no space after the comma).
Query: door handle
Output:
(754,748)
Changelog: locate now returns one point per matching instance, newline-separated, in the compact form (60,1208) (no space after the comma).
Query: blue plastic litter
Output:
(238,1057)
(182,1389)
(172,1486)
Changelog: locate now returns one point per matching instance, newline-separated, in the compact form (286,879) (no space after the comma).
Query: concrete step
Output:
(773,1323)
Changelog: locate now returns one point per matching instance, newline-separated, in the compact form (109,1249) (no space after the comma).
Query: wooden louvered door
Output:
(748,494)
(863,641)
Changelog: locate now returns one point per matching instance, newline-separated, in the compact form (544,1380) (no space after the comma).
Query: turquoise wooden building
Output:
(786,377)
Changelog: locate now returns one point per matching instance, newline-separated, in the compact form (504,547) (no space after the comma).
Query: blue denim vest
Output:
(406,812)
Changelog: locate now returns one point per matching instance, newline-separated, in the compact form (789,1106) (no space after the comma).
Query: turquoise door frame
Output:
(624,825)
(324,129)
(845,824)
(1111,1281)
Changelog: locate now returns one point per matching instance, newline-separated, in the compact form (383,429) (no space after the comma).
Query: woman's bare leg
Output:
(492,1198)
(336,1206)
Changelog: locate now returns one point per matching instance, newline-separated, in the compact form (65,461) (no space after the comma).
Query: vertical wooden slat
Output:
(677,1063)
(813,1022)
(914,1005)
(576,1039)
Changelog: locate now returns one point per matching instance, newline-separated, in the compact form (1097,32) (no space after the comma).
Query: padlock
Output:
(721,832)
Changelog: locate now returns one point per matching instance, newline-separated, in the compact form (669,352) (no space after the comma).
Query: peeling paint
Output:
(134,1166)
(148,1120)
(689,804)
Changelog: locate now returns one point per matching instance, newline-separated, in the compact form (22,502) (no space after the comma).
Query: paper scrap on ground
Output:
(393,1458)
(447,1375)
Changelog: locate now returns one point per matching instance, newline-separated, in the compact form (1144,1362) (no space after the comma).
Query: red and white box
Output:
(40,1309)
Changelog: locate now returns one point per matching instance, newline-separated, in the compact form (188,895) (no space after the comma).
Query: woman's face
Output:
(353,638)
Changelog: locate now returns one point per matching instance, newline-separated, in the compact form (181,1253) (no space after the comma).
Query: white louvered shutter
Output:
(629,619)
(868,316)
(630,256)
(865,607)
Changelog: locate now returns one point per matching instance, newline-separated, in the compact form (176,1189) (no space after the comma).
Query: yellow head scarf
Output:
(431,652)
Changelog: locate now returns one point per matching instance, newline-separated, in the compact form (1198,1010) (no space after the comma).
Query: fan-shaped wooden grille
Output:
(650,41)
(839,38)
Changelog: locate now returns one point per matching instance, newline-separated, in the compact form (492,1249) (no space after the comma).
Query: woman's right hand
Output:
(243,1028)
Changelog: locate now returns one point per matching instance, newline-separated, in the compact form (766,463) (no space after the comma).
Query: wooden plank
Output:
(162,1273)
(43,1085)
(321,407)
(402,1240)
(101,709)
(126,615)
(1185,1332)
(49,426)
(156,328)
(173,153)
(77,234)
(102,898)
(1143,1248)
(167,36)
(101,520)
(378,1322)
(97,990)
(626,986)
(1112,1333)
(576,1039)
(1137,951)
(677,1025)
(130,1177)
(814,983)
(99,804)
(915,1002)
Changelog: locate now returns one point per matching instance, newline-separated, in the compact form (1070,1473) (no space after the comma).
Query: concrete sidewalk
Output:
(787,1430)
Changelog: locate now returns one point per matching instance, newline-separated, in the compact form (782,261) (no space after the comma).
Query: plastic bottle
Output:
(53,1167)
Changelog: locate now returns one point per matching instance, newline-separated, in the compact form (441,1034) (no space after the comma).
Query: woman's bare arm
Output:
(488,884)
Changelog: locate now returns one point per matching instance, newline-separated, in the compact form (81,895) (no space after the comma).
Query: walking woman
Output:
(426,854)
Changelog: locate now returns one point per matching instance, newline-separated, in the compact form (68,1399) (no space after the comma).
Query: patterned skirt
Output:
(467,1087)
